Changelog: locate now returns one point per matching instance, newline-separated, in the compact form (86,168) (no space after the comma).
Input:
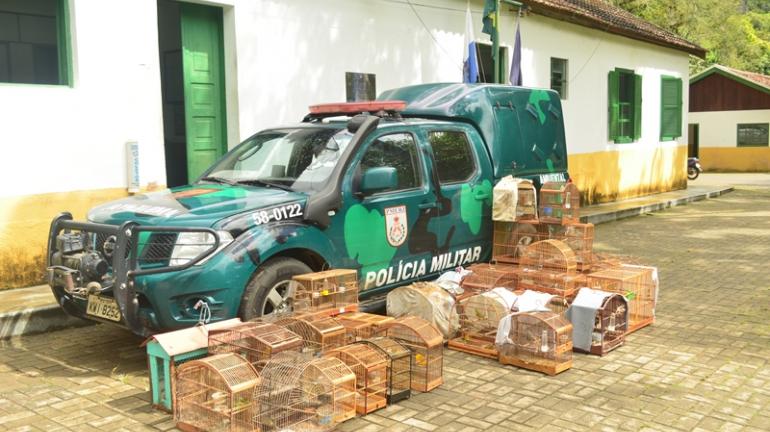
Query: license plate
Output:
(553,177)
(103,307)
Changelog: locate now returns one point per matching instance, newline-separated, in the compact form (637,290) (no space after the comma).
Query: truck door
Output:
(379,228)
(463,178)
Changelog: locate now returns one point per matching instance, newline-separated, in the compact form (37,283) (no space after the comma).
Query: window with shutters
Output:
(625,106)
(670,108)
(34,42)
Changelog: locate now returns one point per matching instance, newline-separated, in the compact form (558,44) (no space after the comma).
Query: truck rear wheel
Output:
(268,290)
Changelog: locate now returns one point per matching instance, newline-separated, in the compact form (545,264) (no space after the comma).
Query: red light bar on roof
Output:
(357,107)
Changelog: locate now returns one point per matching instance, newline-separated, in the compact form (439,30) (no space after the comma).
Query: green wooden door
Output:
(203,71)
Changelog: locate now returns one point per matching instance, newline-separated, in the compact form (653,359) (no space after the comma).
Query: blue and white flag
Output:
(515,77)
(470,61)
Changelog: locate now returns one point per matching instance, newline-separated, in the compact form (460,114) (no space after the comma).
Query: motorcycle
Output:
(693,168)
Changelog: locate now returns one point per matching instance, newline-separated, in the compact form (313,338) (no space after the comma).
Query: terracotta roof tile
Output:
(763,80)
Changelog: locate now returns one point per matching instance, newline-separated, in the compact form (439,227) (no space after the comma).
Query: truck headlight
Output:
(191,244)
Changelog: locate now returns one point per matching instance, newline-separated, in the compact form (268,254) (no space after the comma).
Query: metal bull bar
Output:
(126,266)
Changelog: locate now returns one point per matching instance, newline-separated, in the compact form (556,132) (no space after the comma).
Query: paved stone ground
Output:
(702,366)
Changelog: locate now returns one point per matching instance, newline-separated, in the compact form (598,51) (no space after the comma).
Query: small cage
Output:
(607,330)
(549,254)
(514,199)
(510,239)
(399,367)
(638,284)
(559,203)
(426,343)
(216,393)
(332,290)
(371,368)
(479,318)
(361,325)
(484,277)
(549,266)
(319,334)
(580,238)
(300,393)
(256,341)
(539,341)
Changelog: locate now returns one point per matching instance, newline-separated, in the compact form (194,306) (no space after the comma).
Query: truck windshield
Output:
(300,159)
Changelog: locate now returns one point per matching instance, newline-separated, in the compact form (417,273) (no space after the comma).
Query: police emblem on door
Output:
(396,225)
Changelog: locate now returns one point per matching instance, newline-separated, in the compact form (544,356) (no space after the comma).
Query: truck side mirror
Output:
(378,179)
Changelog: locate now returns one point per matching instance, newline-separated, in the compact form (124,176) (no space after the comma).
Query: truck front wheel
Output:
(268,290)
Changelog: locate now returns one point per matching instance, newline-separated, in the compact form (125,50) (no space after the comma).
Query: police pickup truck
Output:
(399,188)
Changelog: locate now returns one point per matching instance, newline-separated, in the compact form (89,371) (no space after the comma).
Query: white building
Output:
(82,78)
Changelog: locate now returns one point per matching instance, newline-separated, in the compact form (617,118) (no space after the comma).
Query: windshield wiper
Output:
(219,180)
(264,183)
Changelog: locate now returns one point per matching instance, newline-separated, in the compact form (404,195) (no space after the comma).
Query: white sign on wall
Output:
(132,162)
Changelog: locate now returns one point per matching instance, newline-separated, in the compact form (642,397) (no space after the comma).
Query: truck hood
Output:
(195,205)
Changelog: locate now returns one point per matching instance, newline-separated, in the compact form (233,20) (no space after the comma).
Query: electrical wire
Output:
(435,41)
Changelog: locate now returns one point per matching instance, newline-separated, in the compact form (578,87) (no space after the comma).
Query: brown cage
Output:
(331,290)
(510,239)
(361,325)
(426,343)
(215,393)
(301,393)
(559,203)
(256,341)
(549,266)
(318,333)
(479,317)
(556,304)
(399,367)
(484,277)
(539,341)
(638,284)
(580,238)
(371,368)
(609,327)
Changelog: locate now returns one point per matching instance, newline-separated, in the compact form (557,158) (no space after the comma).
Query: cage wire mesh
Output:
(216,394)
(510,239)
(426,344)
(484,277)
(318,333)
(370,366)
(331,290)
(255,341)
(361,325)
(549,266)
(399,367)
(479,318)
(610,326)
(638,284)
(539,341)
(559,203)
(580,238)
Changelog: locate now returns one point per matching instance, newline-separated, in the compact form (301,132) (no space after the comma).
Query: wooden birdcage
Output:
(638,284)
(426,343)
(302,393)
(608,331)
(555,304)
(399,367)
(549,266)
(559,203)
(318,333)
(510,239)
(539,341)
(335,291)
(216,393)
(580,238)
(361,325)
(484,277)
(479,317)
(255,341)
(371,368)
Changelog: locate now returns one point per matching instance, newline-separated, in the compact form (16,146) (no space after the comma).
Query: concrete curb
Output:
(37,320)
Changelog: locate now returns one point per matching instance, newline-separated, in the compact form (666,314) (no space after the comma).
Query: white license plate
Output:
(103,307)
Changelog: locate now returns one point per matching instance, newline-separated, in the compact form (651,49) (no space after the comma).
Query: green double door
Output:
(204,86)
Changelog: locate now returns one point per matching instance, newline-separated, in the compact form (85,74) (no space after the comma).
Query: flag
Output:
(470,60)
(515,77)
(488,18)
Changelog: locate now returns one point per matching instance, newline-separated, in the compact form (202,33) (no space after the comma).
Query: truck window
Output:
(398,151)
(453,156)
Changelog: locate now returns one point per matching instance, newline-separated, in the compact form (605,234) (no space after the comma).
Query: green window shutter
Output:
(613,104)
(670,108)
(637,106)
(64,44)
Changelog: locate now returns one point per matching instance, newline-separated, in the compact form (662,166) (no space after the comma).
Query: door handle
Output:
(427,205)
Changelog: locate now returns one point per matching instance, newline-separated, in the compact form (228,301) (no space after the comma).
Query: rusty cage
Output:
(539,341)
(426,344)
(371,368)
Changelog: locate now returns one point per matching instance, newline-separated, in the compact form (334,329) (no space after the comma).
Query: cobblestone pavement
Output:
(703,365)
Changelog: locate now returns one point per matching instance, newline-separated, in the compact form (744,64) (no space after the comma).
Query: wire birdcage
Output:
(580,238)
(361,325)
(399,367)
(510,239)
(559,203)
(216,394)
(318,333)
(638,284)
(371,368)
(608,331)
(479,317)
(426,343)
(332,290)
(300,393)
(255,341)
(484,277)
(549,266)
(539,341)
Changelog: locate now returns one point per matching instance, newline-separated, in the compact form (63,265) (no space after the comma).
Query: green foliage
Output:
(735,33)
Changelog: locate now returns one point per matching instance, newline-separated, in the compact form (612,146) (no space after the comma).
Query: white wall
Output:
(720,128)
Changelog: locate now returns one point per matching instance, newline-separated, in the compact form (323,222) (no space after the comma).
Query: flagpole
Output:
(496,44)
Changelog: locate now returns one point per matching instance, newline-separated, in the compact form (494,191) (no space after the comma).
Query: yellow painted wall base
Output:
(24,224)
(735,158)
(628,173)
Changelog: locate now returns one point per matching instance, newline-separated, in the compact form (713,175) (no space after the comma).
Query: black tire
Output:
(275,274)
(692,173)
